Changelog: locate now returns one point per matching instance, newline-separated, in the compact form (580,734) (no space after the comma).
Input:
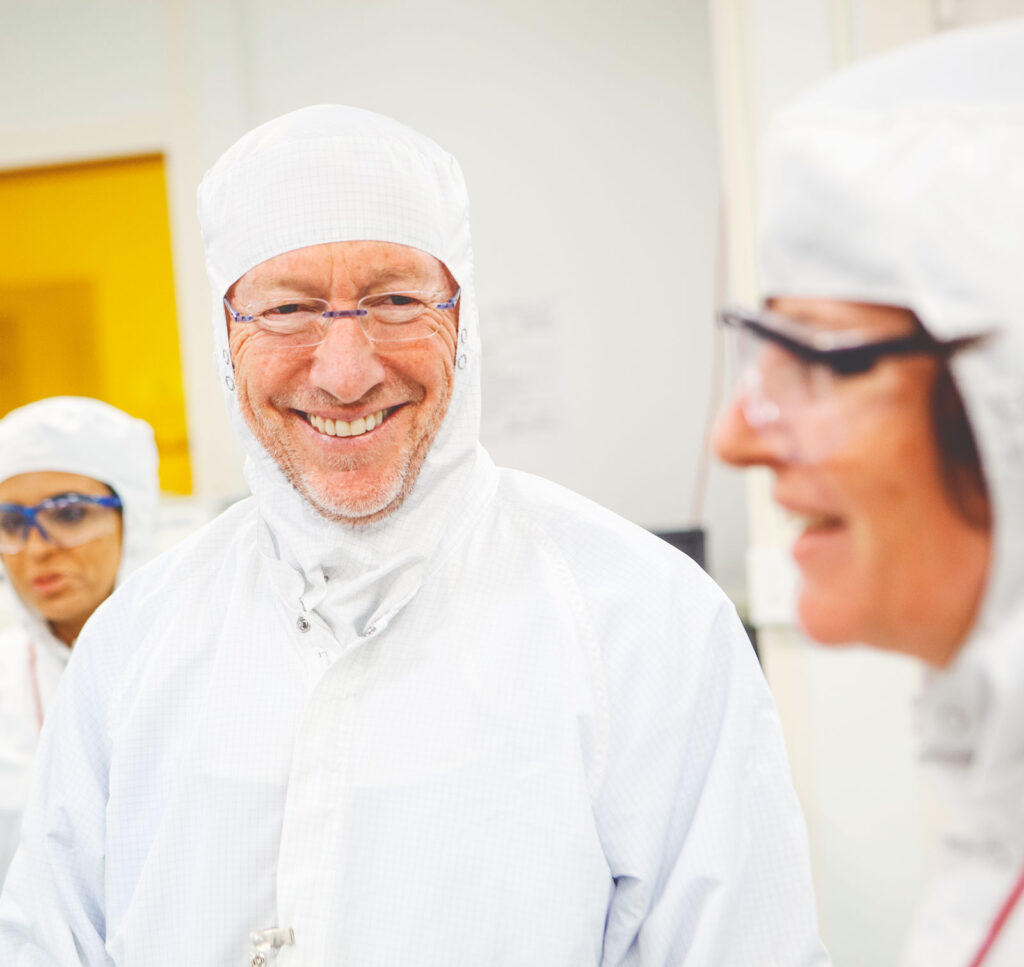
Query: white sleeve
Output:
(697,812)
(52,906)
(19,736)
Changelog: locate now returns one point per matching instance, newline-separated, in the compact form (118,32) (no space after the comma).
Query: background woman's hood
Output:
(84,436)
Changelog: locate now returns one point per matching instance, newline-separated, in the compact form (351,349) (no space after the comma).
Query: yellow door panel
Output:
(87,296)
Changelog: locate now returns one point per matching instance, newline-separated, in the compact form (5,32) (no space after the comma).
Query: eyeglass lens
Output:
(776,384)
(786,397)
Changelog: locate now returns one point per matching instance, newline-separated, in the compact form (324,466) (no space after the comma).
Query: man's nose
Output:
(346,364)
(735,441)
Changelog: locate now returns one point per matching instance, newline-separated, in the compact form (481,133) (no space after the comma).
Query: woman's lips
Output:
(48,583)
(817,523)
(822,538)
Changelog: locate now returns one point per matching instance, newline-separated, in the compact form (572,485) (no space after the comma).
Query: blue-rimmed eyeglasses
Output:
(66,520)
(385,317)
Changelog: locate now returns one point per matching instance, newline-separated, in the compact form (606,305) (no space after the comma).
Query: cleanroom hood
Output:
(84,436)
(900,182)
(327,174)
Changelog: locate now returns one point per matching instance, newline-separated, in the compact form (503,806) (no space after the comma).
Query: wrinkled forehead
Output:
(345,269)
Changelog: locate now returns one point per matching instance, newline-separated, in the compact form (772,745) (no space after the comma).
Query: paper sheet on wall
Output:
(521,422)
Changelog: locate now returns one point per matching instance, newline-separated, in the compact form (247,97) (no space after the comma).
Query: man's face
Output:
(290,398)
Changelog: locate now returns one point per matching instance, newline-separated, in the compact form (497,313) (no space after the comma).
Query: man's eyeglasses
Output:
(66,520)
(789,373)
(385,317)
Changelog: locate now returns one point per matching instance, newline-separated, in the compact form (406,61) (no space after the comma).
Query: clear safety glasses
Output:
(793,378)
(65,520)
(385,317)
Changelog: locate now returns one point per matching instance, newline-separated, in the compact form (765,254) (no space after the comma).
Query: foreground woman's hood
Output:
(899,182)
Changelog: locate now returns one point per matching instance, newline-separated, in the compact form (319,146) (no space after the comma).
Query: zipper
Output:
(266,943)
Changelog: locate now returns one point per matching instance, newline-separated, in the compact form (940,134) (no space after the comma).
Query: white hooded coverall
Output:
(900,182)
(501,726)
(87,437)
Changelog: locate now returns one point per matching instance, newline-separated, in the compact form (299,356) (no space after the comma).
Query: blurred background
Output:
(610,154)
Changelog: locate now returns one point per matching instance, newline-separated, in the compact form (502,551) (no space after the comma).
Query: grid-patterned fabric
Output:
(500,726)
(560,751)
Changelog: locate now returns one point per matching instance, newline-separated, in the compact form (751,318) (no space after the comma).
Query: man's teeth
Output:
(343,428)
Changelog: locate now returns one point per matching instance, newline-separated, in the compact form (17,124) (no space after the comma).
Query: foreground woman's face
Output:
(64,585)
(885,555)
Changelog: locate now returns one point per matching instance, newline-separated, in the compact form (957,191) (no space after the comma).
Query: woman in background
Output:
(78,501)
(883,385)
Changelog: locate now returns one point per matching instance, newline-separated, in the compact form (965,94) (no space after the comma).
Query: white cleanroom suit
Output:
(500,726)
(900,182)
(86,437)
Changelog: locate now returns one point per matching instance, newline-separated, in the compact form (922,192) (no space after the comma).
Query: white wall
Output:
(586,133)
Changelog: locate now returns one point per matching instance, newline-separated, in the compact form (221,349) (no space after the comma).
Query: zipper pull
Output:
(267,942)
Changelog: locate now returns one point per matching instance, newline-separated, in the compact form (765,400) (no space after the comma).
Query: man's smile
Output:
(357,427)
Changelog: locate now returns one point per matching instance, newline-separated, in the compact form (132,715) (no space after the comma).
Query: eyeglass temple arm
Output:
(846,358)
(452,302)
(237,316)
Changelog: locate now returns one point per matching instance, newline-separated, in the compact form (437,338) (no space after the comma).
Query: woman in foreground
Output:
(882,382)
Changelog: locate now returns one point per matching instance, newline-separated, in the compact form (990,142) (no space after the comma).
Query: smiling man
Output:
(400,707)
(378,389)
